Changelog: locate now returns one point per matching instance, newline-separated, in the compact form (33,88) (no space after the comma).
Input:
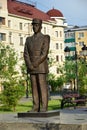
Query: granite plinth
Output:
(39,114)
(73,119)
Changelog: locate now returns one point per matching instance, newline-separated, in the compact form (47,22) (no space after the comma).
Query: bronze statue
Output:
(35,56)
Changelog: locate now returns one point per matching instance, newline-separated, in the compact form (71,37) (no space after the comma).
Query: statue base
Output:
(39,114)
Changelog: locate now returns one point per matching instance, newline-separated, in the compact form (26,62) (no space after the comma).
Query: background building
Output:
(76,38)
(15,26)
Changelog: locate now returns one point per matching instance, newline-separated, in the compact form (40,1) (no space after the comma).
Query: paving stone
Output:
(69,119)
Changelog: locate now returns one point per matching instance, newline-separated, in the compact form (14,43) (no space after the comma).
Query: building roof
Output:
(54,13)
(23,9)
(75,28)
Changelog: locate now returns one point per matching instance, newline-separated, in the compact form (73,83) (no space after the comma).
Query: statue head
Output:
(36,21)
(37,25)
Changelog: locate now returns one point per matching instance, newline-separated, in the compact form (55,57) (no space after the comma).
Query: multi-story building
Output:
(76,38)
(81,38)
(15,26)
(76,46)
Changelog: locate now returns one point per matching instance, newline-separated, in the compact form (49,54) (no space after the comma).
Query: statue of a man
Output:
(35,56)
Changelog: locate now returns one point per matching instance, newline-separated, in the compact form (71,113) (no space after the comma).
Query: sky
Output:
(74,11)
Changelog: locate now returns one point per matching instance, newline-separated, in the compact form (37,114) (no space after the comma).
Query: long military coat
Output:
(36,52)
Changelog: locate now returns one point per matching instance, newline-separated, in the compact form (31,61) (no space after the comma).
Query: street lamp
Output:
(67,55)
(67,51)
(84,51)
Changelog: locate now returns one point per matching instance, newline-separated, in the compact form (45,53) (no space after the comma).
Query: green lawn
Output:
(26,106)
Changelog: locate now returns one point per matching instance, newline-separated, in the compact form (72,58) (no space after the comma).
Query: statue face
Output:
(36,27)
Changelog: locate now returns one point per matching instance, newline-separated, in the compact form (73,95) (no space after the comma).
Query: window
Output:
(44,30)
(65,35)
(10,38)
(2,37)
(20,26)
(9,23)
(72,35)
(60,33)
(56,33)
(57,46)
(57,58)
(21,41)
(2,20)
(81,43)
(81,34)
(61,46)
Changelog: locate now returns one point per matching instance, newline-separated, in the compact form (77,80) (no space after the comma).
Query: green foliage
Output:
(60,82)
(51,60)
(56,83)
(83,85)
(53,104)
(79,70)
(26,77)
(13,89)
(24,70)
(52,81)
(8,62)
(70,71)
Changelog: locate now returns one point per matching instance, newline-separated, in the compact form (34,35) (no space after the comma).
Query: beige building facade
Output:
(16,26)
(81,38)
(76,38)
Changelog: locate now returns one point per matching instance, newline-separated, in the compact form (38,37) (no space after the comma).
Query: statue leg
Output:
(43,92)
(35,94)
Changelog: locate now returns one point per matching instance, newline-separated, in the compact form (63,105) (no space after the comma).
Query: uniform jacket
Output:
(35,53)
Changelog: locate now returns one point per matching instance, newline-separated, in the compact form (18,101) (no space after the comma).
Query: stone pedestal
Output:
(65,120)
(39,114)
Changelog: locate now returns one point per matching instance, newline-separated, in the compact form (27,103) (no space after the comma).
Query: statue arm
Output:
(44,51)
(27,58)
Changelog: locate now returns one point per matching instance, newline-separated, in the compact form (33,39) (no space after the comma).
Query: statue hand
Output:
(35,64)
(31,67)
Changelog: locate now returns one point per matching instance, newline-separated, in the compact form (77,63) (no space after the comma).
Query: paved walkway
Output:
(67,116)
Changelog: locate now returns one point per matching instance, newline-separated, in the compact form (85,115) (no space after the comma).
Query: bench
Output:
(73,98)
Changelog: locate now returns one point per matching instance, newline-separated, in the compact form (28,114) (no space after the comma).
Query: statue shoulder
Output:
(28,38)
(47,37)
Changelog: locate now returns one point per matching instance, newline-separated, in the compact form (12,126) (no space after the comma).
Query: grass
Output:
(26,106)
(54,104)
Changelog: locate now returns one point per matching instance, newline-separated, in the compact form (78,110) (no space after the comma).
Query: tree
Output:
(82,76)
(60,82)
(26,79)
(13,89)
(70,71)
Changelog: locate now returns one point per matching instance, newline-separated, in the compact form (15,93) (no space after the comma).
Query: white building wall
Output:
(47,28)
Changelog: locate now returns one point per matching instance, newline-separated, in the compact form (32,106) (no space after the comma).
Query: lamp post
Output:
(84,51)
(67,54)
(76,69)
(67,51)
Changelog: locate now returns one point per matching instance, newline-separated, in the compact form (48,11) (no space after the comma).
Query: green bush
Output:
(11,94)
